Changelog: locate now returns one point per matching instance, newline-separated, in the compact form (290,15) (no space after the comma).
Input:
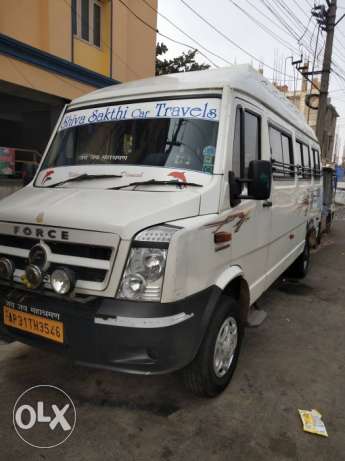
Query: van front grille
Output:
(90,262)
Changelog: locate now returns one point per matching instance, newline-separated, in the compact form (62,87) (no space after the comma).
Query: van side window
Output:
(251,139)
(236,151)
(281,153)
(312,162)
(288,155)
(276,151)
(307,172)
(247,141)
(298,154)
(316,156)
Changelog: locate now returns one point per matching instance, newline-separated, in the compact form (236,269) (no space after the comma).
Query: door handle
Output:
(267,204)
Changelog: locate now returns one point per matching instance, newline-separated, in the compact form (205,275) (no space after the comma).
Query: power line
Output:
(281,12)
(313,68)
(339,54)
(186,34)
(299,7)
(263,27)
(284,15)
(228,39)
(287,27)
(165,36)
(306,29)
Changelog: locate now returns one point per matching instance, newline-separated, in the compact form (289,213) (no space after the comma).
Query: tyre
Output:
(212,368)
(329,223)
(319,234)
(300,267)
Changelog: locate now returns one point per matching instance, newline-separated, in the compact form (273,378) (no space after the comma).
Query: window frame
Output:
(77,21)
(288,172)
(317,164)
(307,170)
(243,109)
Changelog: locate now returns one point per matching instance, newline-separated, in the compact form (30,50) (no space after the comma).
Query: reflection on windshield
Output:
(183,143)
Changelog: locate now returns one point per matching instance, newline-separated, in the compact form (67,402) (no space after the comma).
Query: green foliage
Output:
(183,63)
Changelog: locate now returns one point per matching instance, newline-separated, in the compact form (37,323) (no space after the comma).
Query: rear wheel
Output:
(319,234)
(300,267)
(329,223)
(211,370)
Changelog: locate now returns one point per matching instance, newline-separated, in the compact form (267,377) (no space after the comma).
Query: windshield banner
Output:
(203,109)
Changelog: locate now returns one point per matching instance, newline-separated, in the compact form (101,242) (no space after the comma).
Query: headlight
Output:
(62,281)
(144,272)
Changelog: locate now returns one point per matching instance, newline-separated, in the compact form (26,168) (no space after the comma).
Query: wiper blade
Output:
(154,182)
(85,176)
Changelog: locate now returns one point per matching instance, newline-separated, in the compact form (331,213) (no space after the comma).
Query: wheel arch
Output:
(232,283)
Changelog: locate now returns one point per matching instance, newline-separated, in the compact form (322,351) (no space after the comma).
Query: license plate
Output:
(50,329)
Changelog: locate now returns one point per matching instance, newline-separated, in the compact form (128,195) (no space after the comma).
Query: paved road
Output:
(294,360)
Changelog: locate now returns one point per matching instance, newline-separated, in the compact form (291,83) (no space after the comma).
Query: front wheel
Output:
(212,369)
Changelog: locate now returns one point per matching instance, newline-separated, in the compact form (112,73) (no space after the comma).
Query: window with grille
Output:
(281,154)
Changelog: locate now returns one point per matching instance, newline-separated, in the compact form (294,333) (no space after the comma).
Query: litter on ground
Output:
(312,422)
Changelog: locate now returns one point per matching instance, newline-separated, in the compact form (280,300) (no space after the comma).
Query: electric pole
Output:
(328,20)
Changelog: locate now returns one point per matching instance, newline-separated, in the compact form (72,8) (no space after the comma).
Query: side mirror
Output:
(259,179)
(258,183)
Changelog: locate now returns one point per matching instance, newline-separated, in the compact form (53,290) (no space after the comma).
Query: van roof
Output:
(243,78)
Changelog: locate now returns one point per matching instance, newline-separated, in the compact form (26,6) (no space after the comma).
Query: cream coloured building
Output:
(52,51)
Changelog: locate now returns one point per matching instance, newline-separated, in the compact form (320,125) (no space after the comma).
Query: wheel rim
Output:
(225,347)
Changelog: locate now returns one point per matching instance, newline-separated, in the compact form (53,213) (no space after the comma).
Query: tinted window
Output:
(312,161)
(306,158)
(236,152)
(74,16)
(298,154)
(281,153)
(306,162)
(96,25)
(85,19)
(252,138)
(288,155)
(316,156)
(276,152)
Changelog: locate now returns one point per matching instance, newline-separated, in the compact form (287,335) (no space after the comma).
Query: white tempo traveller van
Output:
(161,210)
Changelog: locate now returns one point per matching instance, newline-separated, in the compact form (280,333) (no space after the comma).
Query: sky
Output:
(252,25)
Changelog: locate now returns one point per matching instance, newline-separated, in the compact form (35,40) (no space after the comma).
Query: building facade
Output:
(52,51)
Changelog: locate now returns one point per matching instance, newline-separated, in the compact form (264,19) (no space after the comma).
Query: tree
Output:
(183,63)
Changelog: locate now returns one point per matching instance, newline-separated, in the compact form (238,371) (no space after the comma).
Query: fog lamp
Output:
(34,276)
(7,268)
(62,281)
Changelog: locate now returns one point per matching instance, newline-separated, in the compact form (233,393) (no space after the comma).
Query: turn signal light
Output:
(222,237)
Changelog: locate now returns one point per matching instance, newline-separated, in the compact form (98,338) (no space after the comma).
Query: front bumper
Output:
(134,337)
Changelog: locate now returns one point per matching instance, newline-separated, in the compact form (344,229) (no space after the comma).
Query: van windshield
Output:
(173,134)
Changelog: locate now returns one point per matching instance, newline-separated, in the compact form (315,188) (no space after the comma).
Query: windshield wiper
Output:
(154,182)
(85,176)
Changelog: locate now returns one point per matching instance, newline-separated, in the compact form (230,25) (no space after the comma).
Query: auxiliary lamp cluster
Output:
(62,279)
